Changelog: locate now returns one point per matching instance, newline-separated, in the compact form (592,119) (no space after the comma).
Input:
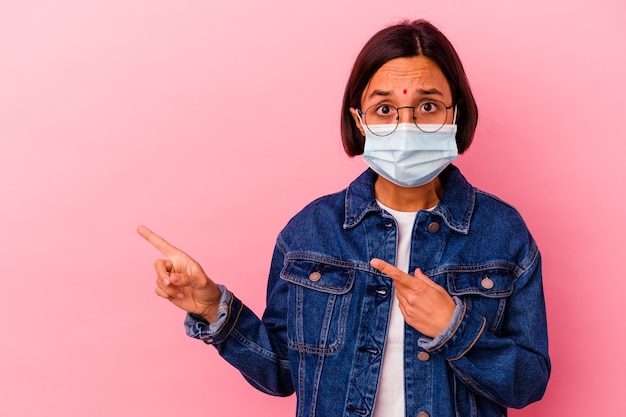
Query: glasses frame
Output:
(363,114)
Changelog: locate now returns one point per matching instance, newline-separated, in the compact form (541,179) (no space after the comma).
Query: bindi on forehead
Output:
(404,91)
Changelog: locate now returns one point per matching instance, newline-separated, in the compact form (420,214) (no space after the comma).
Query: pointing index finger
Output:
(158,242)
(388,269)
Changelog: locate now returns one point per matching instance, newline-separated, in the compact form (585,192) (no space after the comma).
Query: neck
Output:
(408,198)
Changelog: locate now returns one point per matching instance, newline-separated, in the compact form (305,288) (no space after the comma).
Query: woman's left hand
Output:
(425,305)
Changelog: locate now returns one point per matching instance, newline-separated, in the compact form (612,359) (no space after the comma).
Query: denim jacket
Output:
(323,332)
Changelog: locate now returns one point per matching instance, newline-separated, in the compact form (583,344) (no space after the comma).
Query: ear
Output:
(355,116)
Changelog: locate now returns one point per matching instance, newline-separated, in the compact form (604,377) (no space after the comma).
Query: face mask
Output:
(409,157)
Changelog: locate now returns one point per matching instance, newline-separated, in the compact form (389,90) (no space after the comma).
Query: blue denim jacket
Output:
(323,332)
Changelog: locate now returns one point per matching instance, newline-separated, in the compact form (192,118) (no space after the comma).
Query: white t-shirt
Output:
(390,396)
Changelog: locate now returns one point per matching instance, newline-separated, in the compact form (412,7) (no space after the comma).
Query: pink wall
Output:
(207,121)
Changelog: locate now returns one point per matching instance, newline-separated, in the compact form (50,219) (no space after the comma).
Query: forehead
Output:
(416,74)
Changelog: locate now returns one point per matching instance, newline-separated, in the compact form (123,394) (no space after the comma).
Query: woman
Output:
(408,293)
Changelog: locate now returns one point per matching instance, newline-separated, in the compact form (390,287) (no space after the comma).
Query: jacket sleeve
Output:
(257,348)
(513,367)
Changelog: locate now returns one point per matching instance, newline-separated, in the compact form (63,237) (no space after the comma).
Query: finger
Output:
(159,291)
(425,279)
(166,286)
(163,269)
(167,278)
(167,289)
(389,270)
(158,242)
(184,280)
(168,295)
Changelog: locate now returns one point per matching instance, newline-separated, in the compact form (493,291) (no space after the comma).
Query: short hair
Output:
(408,39)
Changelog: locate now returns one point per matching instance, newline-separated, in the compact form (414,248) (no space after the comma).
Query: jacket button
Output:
(487,283)
(315,276)
(423,356)
(433,227)
(422,414)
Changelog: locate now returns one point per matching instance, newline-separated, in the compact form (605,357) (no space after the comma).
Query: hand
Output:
(181,280)
(425,305)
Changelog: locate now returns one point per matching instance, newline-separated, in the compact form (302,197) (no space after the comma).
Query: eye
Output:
(385,110)
(429,107)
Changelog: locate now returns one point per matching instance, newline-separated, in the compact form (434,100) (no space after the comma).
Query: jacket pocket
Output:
(484,291)
(318,303)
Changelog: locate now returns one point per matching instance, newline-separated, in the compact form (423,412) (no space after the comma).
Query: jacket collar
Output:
(455,208)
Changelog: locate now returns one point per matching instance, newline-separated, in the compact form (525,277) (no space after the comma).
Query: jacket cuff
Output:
(458,338)
(429,344)
(213,333)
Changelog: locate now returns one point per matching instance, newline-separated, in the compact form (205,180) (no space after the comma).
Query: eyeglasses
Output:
(382,119)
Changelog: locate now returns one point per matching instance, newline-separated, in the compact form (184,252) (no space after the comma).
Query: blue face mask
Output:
(409,157)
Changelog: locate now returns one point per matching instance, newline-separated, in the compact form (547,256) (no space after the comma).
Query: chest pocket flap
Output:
(324,277)
(492,283)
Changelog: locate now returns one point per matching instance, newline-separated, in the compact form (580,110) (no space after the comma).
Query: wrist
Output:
(219,305)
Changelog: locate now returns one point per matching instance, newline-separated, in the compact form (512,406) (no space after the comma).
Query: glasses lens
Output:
(430,115)
(381,119)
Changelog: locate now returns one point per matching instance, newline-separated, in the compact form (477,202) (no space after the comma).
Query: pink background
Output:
(214,122)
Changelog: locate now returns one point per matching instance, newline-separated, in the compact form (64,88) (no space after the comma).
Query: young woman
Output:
(409,293)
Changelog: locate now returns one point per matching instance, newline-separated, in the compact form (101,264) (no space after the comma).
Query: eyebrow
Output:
(421,91)
(379,93)
(430,92)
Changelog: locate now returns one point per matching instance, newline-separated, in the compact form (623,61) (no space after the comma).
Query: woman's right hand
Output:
(181,280)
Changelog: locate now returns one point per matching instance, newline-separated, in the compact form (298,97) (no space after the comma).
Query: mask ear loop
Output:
(358,115)
(453,117)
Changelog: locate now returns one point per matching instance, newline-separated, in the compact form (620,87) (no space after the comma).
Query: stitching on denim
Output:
(281,244)
(530,260)
(499,315)
(259,349)
(299,321)
(228,315)
(311,256)
(350,222)
(474,268)
(464,224)
(234,321)
(317,286)
(328,314)
(517,270)
(474,386)
(383,241)
(302,347)
(476,290)
(344,305)
(495,197)
(301,378)
(482,328)
(316,378)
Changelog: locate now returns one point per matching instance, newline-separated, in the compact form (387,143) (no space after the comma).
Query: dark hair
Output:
(408,39)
